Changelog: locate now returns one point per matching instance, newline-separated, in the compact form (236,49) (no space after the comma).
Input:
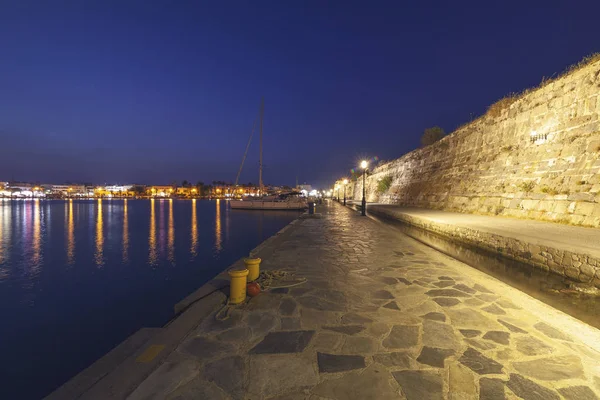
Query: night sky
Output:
(151,92)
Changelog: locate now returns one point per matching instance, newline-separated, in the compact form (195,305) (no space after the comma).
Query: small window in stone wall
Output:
(538,138)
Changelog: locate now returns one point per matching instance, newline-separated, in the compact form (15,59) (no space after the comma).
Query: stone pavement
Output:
(380,317)
(570,251)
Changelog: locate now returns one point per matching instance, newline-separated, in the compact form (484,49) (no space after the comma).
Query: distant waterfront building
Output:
(160,191)
(67,190)
(118,188)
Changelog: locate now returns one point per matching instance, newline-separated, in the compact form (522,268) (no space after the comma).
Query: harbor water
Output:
(77,277)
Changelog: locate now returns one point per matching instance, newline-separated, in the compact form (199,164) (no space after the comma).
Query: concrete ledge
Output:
(574,256)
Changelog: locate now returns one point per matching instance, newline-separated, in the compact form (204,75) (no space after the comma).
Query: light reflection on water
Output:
(152,255)
(70,236)
(125,233)
(66,295)
(218,233)
(99,236)
(194,231)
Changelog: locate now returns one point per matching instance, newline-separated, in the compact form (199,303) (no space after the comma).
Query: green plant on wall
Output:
(527,186)
(384,184)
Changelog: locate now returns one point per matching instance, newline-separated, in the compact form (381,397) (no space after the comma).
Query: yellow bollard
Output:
(237,290)
(253,265)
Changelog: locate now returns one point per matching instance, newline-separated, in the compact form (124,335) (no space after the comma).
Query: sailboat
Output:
(284,201)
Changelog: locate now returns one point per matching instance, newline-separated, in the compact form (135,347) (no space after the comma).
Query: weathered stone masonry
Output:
(536,158)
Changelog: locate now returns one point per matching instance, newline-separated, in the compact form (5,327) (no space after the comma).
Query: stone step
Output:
(80,383)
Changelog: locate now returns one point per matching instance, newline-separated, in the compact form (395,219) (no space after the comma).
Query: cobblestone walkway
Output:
(381,317)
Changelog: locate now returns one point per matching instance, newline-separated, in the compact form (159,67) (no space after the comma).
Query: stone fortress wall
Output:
(536,156)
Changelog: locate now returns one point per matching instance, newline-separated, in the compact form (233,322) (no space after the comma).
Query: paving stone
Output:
(205,349)
(372,383)
(299,291)
(402,336)
(405,281)
(473,302)
(480,363)
(289,324)
(383,295)
(488,298)
(359,345)
(420,385)
(494,309)
(165,379)
(498,337)
(529,390)
(279,290)
(551,368)
(491,389)
(531,346)
(464,288)
(240,334)
(211,324)
(434,356)
(461,382)
(392,305)
(338,363)
(269,375)
(378,329)
(399,360)
(317,303)
(445,278)
(264,301)
(353,318)
(261,323)
(327,341)
(198,388)
(228,374)
(446,293)
(283,342)
(552,332)
(469,333)
(480,344)
(443,284)
(346,329)
(388,280)
(507,304)
(315,319)
(437,334)
(512,327)
(471,319)
(578,393)
(287,307)
(482,289)
(435,316)
(421,283)
(446,301)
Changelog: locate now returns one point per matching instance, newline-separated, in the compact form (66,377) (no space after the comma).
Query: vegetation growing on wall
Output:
(432,135)
(384,184)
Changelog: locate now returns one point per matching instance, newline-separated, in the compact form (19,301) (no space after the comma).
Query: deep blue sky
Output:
(146,91)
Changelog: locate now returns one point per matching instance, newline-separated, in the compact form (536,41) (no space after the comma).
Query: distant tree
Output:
(185,184)
(138,189)
(432,135)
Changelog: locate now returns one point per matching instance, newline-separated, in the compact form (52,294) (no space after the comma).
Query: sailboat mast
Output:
(260,161)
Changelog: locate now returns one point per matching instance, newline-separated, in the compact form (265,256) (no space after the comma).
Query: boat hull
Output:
(267,205)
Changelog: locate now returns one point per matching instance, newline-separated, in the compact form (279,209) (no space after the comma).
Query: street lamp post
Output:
(345,183)
(364,164)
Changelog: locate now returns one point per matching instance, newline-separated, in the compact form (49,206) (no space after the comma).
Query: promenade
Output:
(381,316)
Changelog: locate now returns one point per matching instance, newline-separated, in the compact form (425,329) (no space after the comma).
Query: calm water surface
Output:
(78,277)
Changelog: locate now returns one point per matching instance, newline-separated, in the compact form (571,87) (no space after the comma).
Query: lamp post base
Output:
(364,207)
(344,201)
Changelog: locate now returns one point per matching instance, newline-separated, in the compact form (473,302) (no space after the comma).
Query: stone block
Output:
(585,208)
